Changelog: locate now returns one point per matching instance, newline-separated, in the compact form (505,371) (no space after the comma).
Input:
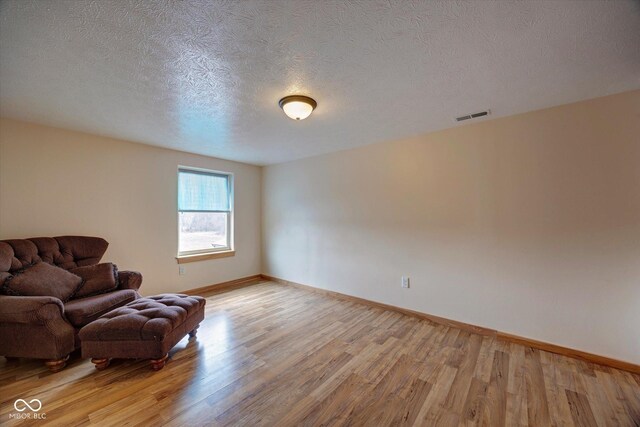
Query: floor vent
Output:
(473,116)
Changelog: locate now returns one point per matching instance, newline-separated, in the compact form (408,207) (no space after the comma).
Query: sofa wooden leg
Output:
(157,364)
(193,333)
(101,364)
(57,365)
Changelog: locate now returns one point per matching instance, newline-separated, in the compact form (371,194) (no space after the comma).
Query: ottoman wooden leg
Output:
(57,365)
(101,364)
(193,333)
(157,364)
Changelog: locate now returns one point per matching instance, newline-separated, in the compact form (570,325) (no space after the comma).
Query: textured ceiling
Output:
(206,77)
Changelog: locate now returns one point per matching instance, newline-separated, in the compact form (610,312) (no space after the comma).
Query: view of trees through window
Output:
(203,230)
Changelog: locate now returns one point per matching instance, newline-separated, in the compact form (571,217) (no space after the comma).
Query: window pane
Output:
(198,191)
(203,231)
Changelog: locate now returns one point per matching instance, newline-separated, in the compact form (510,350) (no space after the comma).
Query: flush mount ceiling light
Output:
(297,107)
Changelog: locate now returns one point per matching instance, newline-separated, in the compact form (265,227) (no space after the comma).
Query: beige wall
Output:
(55,182)
(528,224)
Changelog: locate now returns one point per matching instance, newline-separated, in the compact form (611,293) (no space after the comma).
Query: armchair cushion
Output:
(98,279)
(83,311)
(42,279)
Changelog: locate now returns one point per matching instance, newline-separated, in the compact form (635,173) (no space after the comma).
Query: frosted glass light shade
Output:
(297,107)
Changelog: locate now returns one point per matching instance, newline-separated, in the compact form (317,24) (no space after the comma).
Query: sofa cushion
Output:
(42,279)
(98,279)
(83,311)
(70,251)
(22,253)
(6,256)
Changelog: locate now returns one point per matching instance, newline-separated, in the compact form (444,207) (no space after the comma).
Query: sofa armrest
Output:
(30,310)
(129,280)
(35,327)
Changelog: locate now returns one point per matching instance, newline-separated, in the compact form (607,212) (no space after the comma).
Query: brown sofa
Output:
(45,327)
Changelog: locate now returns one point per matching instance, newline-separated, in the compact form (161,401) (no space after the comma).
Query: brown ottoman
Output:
(146,328)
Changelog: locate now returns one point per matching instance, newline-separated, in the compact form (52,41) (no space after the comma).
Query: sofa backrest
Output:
(64,251)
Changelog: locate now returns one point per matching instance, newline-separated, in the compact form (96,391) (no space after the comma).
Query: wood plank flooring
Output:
(275,355)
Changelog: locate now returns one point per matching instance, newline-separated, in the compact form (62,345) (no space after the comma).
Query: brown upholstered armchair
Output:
(45,327)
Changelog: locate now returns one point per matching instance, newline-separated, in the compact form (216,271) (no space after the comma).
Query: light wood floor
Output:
(275,355)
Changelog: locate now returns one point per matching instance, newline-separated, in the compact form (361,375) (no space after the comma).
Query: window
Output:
(205,211)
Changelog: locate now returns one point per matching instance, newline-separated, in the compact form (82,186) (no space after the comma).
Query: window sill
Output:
(183,259)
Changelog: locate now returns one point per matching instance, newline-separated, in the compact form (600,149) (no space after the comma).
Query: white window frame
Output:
(230,220)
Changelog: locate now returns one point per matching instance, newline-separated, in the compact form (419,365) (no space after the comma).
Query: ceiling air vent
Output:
(473,116)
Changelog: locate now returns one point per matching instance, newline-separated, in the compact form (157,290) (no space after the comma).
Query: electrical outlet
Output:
(405,282)
(181,270)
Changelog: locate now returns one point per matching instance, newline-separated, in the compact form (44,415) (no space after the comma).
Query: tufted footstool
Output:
(146,328)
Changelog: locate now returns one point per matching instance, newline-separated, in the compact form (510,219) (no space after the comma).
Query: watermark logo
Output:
(27,410)
(21,405)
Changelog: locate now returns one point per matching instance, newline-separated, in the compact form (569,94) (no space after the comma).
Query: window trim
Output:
(184,259)
(201,254)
